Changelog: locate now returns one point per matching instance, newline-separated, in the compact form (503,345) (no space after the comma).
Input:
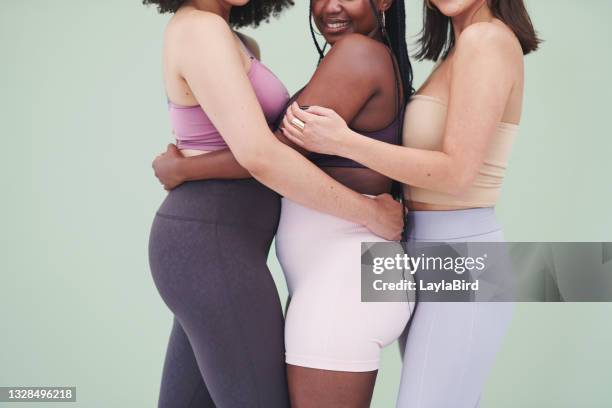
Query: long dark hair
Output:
(393,33)
(251,14)
(437,37)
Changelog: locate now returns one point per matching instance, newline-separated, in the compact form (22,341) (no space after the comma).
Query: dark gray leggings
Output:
(208,248)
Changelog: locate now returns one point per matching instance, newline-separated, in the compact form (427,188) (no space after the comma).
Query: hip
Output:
(473,224)
(244,202)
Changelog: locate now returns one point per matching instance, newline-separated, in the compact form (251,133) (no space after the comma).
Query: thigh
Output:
(239,343)
(449,347)
(182,385)
(449,351)
(328,327)
(216,281)
(314,388)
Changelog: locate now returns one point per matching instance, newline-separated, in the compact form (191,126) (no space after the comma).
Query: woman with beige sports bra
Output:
(458,132)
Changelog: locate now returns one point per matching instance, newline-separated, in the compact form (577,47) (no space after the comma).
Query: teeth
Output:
(337,26)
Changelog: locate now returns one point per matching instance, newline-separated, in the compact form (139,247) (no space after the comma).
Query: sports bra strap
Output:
(244,46)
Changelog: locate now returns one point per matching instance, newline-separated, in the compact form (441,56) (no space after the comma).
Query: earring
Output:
(384,19)
(428,4)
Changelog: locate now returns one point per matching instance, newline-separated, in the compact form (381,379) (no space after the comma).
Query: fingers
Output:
(173,151)
(289,116)
(292,133)
(385,196)
(301,114)
(320,111)
(156,158)
(287,126)
(395,237)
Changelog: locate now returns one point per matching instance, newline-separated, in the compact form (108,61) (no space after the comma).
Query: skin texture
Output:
(220,85)
(367,106)
(364,95)
(366,102)
(482,83)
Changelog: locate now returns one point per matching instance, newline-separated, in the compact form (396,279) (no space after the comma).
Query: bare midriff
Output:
(192,152)
(417,206)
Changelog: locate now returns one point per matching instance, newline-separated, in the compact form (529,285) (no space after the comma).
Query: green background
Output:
(83,114)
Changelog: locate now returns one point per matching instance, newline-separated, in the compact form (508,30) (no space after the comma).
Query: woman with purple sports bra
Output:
(332,339)
(458,132)
(211,236)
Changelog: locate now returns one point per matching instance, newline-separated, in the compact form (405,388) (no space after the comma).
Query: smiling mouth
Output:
(336,26)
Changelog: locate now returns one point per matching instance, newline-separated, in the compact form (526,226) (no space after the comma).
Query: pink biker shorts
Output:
(327,326)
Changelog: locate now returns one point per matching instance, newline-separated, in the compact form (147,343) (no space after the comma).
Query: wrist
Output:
(368,214)
(180,169)
(346,145)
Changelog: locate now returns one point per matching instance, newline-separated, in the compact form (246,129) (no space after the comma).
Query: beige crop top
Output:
(424,125)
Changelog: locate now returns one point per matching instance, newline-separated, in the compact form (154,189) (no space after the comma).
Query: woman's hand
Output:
(166,167)
(387,219)
(324,130)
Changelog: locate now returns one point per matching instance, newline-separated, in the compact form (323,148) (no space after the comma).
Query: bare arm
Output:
(353,86)
(220,85)
(483,74)
(172,169)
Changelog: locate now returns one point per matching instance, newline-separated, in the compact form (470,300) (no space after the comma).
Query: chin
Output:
(238,3)
(333,38)
(452,8)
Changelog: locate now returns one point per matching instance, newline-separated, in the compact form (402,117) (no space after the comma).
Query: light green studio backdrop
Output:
(83,114)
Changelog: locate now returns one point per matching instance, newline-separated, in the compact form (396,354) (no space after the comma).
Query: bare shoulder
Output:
(196,24)
(251,44)
(359,54)
(358,46)
(493,38)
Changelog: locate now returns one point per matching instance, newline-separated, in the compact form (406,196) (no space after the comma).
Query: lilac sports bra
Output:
(194,130)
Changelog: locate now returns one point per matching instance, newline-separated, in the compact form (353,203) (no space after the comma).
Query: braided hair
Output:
(392,28)
(393,31)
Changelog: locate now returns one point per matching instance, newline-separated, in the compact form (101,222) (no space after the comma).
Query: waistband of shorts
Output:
(454,224)
(324,221)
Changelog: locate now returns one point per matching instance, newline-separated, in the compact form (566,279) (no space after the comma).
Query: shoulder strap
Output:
(244,46)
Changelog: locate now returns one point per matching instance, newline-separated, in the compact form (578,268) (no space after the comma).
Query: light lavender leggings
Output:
(449,348)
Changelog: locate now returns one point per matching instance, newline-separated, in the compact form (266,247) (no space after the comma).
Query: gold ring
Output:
(298,123)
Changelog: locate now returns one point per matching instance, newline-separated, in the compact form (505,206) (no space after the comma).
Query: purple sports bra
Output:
(388,135)
(194,130)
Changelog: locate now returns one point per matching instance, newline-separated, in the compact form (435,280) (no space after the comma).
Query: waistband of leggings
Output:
(232,202)
(454,224)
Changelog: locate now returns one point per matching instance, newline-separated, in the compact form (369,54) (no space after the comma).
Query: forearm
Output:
(286,171)
(430,169)
(279,135)
(220,164)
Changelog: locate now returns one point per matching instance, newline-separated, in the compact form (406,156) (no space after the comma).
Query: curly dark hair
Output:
(252,14)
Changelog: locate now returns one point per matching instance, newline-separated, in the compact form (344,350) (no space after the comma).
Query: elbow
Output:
(253,159)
